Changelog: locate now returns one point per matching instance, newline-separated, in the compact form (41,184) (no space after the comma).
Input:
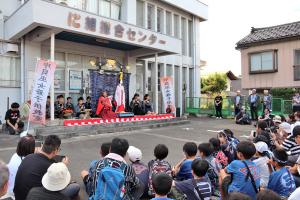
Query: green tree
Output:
(213,83)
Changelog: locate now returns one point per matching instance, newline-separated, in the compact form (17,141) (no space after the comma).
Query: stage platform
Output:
(75,128)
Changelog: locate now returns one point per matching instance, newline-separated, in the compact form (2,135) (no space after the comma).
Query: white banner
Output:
(168,93)
(44,75)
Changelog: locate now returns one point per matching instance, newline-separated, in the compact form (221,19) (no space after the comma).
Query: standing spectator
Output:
(12,118)
(54,181)
(183,170)
(261,162)
(159,164)
(199,186)
(34,166)
(296,102)
(267,100)
(122,180)
(4,175)
(281,181)
(218,105)
(88,176)
(59,107)
(141,170)
(25,146)
(238,102)
(162,184)
(48,108)
(253,101)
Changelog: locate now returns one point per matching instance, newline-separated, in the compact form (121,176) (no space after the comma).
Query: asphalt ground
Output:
(81,150)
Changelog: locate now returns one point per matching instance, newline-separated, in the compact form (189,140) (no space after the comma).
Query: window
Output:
(190,38)
(297,65)
(110,8)
(10,75)
(160,20)
(183,36)
(176,26)
(91,6)
(150,17)
(168,23)
(140,13)
(263,62)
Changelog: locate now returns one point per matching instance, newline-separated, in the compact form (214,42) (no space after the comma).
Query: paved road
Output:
(82,150)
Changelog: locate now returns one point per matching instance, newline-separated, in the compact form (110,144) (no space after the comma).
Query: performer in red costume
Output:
(104,108)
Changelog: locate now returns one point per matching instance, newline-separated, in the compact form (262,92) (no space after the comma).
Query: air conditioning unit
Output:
(10,48)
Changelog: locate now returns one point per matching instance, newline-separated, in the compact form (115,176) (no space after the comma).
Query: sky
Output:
(231,20)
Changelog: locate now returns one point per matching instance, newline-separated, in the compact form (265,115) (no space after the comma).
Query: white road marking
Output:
(172,138)
(214,131)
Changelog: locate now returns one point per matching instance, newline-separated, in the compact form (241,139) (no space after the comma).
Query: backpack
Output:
(156,167)
(110,183)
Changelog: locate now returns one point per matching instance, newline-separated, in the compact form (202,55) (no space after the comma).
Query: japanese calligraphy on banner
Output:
(168,93)
(44,75)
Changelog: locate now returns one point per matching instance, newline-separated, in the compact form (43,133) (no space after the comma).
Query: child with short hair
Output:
(244,173)
(199,186)
(158,165)
(218,154)
(281,181)
(162,184)
(183,170)
(267,194)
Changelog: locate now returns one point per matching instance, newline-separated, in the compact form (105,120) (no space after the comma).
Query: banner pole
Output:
(52,50)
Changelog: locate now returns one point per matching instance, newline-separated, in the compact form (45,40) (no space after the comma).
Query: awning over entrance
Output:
(76,25)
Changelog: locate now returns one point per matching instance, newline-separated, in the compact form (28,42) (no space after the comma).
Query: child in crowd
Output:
(244,173)
(80,108)
(141,170)
(183,170)
(158,165)
(205,152)
(69,105)
(88,104)
(267,194)
(218,154)
(281,181)
(261,161)
(228,144)
(162,184)
(238,196)
(88,176)
(199,186)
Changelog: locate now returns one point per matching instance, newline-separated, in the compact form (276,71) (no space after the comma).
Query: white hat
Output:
(57,177)
(134,154)
(286,127)
(277,119)
(261,147)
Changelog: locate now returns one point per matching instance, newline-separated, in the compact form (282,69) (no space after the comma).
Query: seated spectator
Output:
(148,106)
(282,133)
(158,165)
(238,196)
(199,181)
(59,107)
(294,196)
(88,104)
(141,170)
(261,129)
(242,117)
(162,184)
(228,144)
(205,152)
(26,146)
(12,118)
(244,180)
(267,194)
(261,161)
(88,176)
(80,109)
(69,106)
(295,170)
(183,170)
(121,178)
(267,117)
(34,166)
(4,175)
(54,181)
(218,154)
(281,181)
(292,145)
(136,105)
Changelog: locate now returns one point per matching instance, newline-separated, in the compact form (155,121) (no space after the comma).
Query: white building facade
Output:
(154,38)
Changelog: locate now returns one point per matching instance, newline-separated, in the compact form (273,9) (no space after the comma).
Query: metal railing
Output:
(205,105)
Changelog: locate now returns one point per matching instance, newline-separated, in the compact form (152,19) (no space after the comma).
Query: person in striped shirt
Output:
(292,144)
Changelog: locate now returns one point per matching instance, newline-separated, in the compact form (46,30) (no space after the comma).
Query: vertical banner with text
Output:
(168,93)
(44,75)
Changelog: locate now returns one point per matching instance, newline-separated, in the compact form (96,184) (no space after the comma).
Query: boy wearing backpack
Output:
(158,165)
(244,173)
(114,179)
(199,187)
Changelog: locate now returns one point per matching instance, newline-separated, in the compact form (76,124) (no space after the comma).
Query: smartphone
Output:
(58,158)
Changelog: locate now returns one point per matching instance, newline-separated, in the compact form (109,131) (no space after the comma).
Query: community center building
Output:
(149,38)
